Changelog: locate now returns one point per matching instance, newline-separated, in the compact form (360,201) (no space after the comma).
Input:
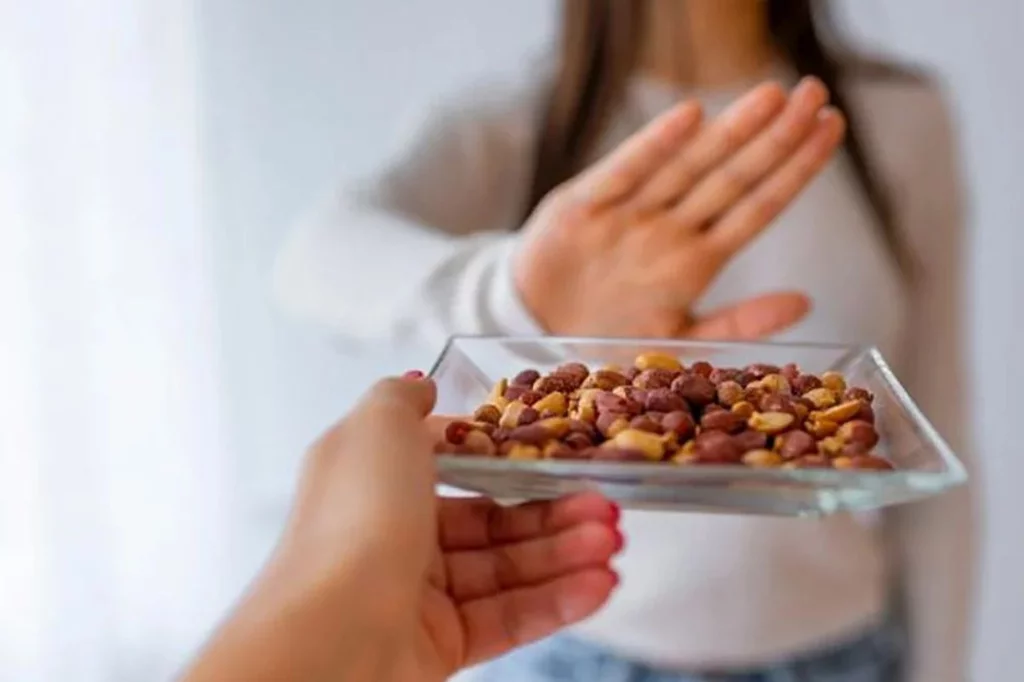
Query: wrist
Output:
(294,626)
(531,292)
(512,313)
(366,580)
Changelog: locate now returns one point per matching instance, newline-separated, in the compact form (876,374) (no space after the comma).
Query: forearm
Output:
(287,631)
(370,276)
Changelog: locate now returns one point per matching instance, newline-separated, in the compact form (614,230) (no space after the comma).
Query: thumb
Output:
(377,463)
(388,427)
(752,319)
(381,439)
(368,483)
(410,397)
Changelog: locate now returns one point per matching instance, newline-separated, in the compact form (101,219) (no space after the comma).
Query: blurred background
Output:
(154,405)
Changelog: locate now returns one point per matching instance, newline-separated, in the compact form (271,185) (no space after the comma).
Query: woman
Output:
(662,234)
(376,579)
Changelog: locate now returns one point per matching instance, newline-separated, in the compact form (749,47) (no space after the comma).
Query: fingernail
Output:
(413,374)
(827,111)
(616,512)
(620,541)
(616,578)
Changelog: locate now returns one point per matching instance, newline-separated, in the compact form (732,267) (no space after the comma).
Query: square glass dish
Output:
(468,367)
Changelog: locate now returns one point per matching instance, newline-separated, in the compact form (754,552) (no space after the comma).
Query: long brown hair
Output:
(599,45)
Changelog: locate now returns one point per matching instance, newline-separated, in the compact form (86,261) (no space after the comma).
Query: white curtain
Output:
(115,508)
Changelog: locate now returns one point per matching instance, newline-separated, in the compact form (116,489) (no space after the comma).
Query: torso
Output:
(703,591)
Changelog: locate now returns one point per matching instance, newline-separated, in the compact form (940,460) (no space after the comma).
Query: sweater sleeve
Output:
(934,541)
(421,249)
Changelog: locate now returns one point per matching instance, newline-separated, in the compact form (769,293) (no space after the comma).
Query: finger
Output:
(622,171)
(478,522)
(411,395)
(480,572)
(384,441)
(753,213)
(752,319)
(717,141)
(511,619)
(748,166)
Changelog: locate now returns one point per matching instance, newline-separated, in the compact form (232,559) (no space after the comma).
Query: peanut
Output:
(577,370)
(751,440)
(522,452)
(821,398)
(821,428)
(744,409)
(654,378)
(648,443)
(830,446)
(562,383)
(610,424)
(842,412)
(654,360)
(498,392)
(771,422)
(795,444)
(762,459)
(722,420)
(487,413)
(761,370)
(702,368)
(556,427)
(860,433)
(605,380)
(510,417)
(646,423)
(578,441)
(480,443)
(857,393)
(809,462)
(717,446)
(730,393)
(526,378)
(455,432)
(553,402)
(833,381)
(777,384)
(805,383)
(680,423)
(663,400)
(695,389)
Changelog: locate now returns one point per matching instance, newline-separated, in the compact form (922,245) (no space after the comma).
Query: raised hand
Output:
(628,246)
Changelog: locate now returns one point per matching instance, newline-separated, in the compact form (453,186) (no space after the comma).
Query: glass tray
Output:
(469,366)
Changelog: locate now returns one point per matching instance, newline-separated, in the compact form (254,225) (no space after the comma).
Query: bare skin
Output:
(705,43)
(628,246)
(378,579)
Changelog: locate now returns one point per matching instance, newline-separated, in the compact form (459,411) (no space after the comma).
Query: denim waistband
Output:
(873,656)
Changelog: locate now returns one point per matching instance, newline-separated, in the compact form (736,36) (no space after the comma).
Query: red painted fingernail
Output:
(413,374)
(616,512)
(620,540)
(616,578)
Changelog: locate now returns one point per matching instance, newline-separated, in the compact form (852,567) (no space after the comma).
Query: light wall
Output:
(302,94)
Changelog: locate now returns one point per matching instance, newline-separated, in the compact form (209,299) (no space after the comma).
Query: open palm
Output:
(506,576)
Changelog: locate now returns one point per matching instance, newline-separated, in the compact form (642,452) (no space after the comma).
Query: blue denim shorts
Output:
(875,656)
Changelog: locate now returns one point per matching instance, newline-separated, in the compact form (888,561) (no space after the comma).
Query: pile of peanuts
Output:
(760,416)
